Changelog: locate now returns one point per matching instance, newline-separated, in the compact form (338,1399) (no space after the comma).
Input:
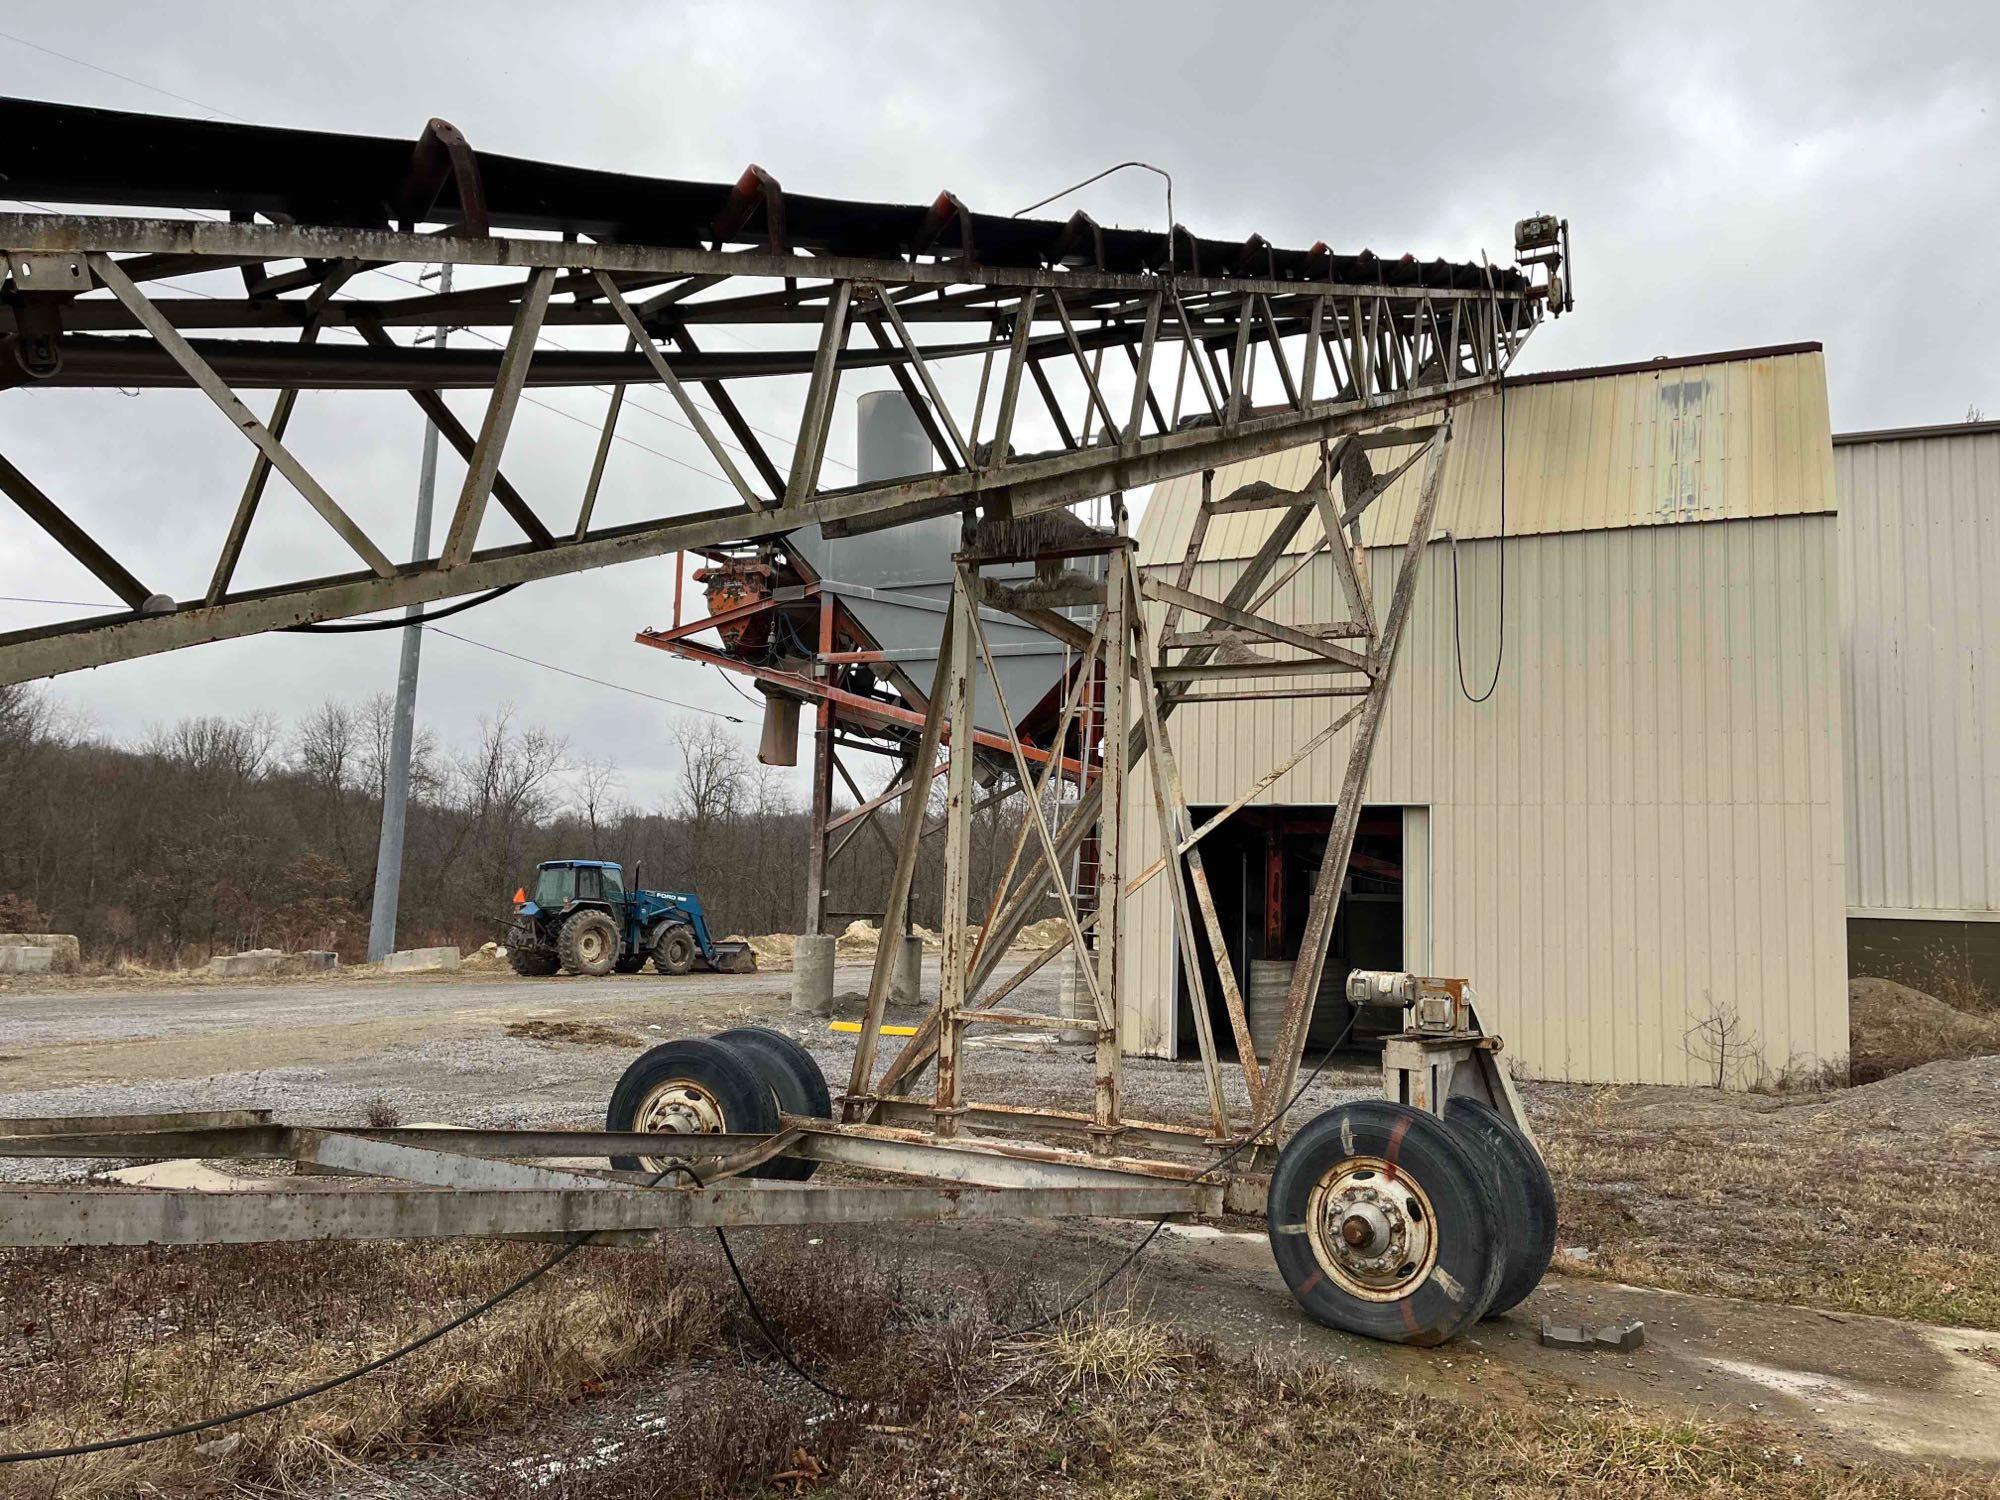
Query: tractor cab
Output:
(561,884)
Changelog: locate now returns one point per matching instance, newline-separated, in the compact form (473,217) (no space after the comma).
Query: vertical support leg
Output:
(1110,849)
(1325,903)
(822,789)
(896,912)
(957,861)
(1170,806)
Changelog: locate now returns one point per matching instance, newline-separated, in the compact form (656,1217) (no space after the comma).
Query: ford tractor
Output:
(581,919)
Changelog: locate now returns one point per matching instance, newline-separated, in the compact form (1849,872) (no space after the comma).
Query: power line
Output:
(121,77)
(469,641)
(581,677)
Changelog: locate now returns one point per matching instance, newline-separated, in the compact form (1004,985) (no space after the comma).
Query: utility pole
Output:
(396,784)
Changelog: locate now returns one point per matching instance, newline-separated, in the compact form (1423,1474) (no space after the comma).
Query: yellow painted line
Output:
(855,1027)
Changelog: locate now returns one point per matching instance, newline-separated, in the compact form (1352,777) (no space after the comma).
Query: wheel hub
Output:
(680,1107)
(1372,1229)
(592,946)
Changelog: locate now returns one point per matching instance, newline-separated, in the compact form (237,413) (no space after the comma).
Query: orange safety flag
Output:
(521,896)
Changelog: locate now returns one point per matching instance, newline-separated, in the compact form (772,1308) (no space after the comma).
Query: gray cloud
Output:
(1735,175)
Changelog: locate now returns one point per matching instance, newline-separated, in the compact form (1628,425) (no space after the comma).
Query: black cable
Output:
(1457,638)
(292,1398)
(771,1335)
(355,627)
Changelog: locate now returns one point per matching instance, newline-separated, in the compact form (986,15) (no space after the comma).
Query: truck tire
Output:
(674,950)
(1383,1223)
(1526,1196)
(532,963)
(588,943)
(797,1085)
(692,1086)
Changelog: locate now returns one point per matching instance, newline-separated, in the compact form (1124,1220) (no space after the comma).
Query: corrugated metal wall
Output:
(1644,820)
(1919,550)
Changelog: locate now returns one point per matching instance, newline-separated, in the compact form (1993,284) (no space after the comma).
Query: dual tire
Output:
(737,1083)
(1390,1222)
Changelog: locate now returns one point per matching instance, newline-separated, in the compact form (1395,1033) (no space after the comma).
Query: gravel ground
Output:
(437,1049)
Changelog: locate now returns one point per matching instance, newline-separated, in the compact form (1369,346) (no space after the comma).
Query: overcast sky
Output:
(1735,174)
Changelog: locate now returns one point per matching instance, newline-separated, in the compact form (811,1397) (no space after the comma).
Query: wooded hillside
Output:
(215,835)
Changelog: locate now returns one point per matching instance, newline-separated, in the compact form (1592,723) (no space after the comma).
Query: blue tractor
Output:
(581,918)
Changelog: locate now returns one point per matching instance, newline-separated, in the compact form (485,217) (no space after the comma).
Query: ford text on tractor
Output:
(581,918)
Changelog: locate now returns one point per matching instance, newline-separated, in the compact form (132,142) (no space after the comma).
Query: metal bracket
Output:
(48,271)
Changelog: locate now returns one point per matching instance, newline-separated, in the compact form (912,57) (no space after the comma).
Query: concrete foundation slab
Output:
(408,959)
(68,951)
(22,959)
(240,965)
(812,975)
(906,979)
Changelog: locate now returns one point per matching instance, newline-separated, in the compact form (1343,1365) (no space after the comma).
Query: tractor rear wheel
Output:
(674,952)
(588,943)
(532,963)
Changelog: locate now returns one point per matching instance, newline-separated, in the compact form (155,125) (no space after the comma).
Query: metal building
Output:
(1640,831)
(1919,542)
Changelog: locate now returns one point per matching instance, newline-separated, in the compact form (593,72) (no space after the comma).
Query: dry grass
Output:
(1203,1423)
(1110,1354)
(1877,1200)
(636,1374)
(1952,976)
(577,1033)
(116,1341)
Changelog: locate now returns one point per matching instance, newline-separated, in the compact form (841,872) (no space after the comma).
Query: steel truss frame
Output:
(80,308)
(1353,345)
(970,1153)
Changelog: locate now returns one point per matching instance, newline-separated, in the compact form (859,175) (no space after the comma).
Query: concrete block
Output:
(318,959)
(22,959)
(243,965)
(812,975)
(906,980)
(421,958)
(1623,1337)
(68,951)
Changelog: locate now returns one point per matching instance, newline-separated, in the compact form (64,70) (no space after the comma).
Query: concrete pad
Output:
(68,951)
(183,1176)
(240,965)
(421,958)
(26,960)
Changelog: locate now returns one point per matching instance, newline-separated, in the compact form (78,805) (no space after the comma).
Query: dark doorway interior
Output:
(1261,867)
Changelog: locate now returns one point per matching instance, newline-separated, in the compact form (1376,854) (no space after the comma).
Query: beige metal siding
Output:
(1920,644)
(1702,442)
(1644,821)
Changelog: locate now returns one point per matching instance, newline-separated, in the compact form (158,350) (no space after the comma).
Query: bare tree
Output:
(595,786)
(1722,1041)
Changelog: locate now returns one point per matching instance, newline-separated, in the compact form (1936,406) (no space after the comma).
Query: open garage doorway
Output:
(1262,863)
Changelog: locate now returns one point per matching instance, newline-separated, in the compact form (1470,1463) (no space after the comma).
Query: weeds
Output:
(1950,975)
